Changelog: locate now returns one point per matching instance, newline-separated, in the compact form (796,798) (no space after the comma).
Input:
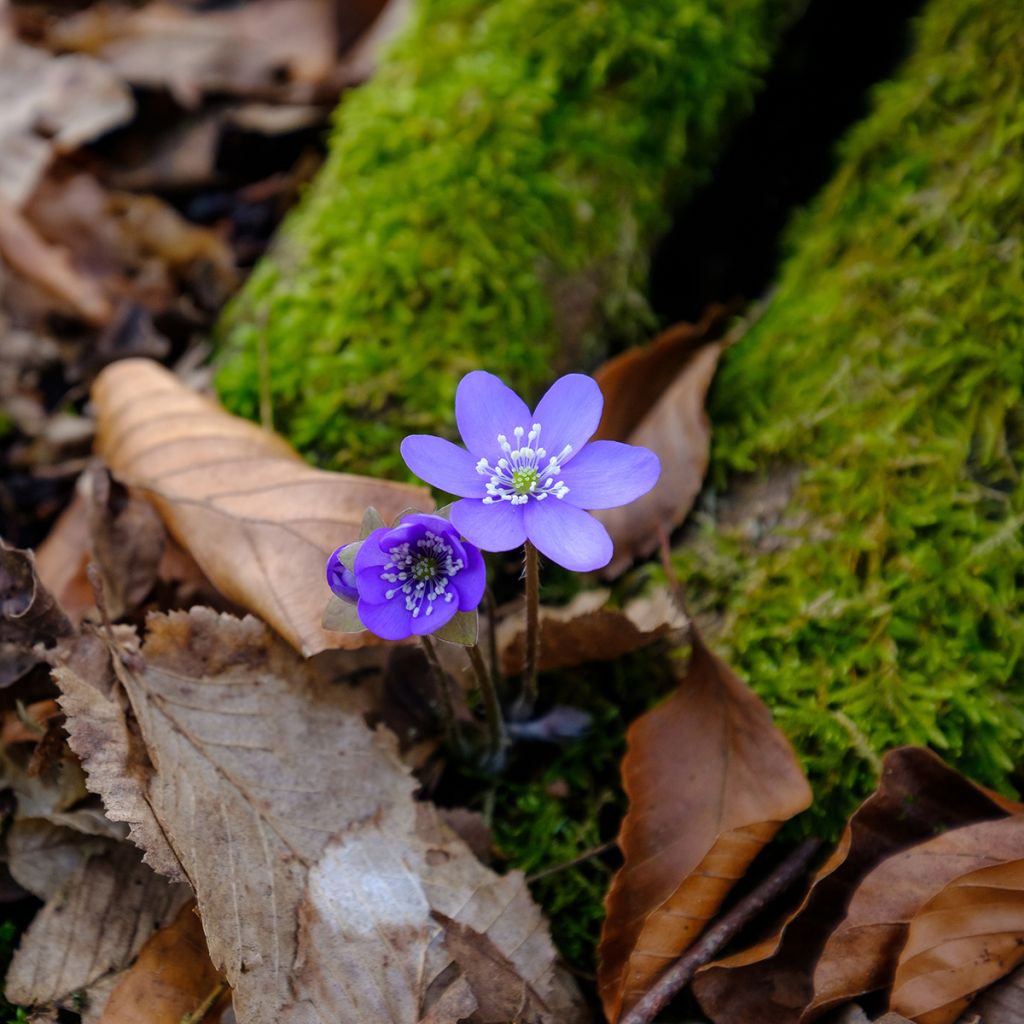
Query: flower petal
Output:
(443,465)
(485,408)
(567,535)
(389,620)
(370,552)
(340,578)
(469,584)
(495,527)
(569,413)
(607,474)
(443,613)
(372,589)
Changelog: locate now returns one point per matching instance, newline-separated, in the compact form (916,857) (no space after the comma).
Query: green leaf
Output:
(341,617)
(462,629)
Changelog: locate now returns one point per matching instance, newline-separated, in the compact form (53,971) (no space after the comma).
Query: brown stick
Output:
(704,949)
(594,851)
(201,1011)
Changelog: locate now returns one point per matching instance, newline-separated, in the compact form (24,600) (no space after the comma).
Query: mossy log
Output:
(869,587)
(488,200)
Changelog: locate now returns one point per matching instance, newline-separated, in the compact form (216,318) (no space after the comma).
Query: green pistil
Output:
(425,569)
(524,480)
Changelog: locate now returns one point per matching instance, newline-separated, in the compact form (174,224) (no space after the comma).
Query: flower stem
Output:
(452,735)
(532,573)
(492,707)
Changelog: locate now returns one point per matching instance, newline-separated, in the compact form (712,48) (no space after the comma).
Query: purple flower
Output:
(531,476)
(414,577)
(340,578)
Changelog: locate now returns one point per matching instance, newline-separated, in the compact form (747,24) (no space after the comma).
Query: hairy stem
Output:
(452,735)
(492,706)
(532,575)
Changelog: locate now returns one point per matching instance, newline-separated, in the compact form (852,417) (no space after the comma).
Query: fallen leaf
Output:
(170,979)
(93,927)
(269,793)
(588,629)
(49,267)
(282,49)
(42,856)
(917,795)
(860,956)
(654,397)
(62,558)
(27,724)
(28,614)
(259,521)
(1003,1003)
(51,105)
(710,780)
(967,936)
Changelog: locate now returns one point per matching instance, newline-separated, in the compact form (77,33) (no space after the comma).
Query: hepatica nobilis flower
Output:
(533,476)
(411,579)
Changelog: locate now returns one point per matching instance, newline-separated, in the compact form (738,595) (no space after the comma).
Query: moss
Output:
(882,605)
(488,200)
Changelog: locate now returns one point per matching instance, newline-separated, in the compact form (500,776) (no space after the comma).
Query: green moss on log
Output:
(488,200)
(881,604)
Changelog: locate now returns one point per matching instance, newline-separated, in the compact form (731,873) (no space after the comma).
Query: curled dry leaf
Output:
(916,796)
(93,927)
(29,615)
(587,630)
(259,521)
(170,979)
(962,940)
(710,780)
(266,789)
(860,956)
(654,396)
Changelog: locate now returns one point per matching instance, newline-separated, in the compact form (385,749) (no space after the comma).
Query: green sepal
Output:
(445,511)
(463,629)
(371,521)
(341,617)
(348,556)
(410,511)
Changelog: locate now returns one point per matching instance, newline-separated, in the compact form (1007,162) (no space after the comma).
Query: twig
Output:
(705,948)
(200,1012)
(594,851)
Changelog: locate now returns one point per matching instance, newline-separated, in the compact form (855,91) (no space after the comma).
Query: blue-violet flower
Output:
(413,578)
(533,476)
(340,578)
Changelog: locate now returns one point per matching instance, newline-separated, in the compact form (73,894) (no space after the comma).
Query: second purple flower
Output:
(533,476)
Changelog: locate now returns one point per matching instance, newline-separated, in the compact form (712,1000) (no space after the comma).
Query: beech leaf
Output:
(589,629)
(654,397)
(93,927)
(315,870)
(259,521)
(917,795)
(710,780)
(962,940)
(170,979)
(1003,1003)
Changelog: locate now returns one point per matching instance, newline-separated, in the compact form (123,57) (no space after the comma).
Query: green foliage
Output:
(8,940)
(546,816)
(883,606)
(488,200)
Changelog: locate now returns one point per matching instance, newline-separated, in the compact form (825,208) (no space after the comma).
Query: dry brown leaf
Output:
(710,780)
(258,520)
(170,979)
(316,872)
(49,267)
(963,939)
(916,796)
(860,956)
(42,856)
(51,104)
(1003,1003)
(270,48)
(92,928)
(654,396)
(587,630)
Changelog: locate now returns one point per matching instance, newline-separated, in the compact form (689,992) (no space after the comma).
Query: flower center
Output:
(421,571)
(522,473)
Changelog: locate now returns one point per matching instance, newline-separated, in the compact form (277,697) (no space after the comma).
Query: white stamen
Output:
(424,569)
(521,474)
